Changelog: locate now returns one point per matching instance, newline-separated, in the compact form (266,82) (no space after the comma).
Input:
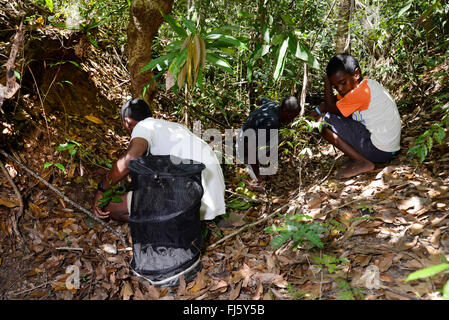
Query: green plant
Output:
(296,294)
(432,271)
(331,263)
(296,228)
(186,58)
(74,148)
(112,194)
(348,292)
(424,143)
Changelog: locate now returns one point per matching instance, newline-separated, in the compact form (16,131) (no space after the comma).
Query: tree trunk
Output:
(144,22)
(343,38)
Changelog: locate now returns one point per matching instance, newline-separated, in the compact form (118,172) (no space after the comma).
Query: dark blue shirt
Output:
(267,117)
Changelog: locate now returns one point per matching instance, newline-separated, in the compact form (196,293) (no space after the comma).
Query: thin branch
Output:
(246,227)
(59,193)
(248,199)
(70,249)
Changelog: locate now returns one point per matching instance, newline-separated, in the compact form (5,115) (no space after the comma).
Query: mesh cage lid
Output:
(165,166)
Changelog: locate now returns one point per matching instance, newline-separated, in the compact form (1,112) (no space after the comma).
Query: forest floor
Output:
(394,220)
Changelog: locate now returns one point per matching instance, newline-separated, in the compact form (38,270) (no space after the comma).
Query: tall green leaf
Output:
(219,62)
(304,54)
(427,272)
(49,4)
(162,60)
(280,60)
(175,25)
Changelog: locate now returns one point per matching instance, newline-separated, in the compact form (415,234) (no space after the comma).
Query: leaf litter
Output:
(388,223)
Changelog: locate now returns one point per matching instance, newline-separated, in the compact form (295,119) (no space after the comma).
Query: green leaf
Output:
(288,19)
(178,62)
(92,40)
(72,152)
(277,39)
(280,239)
(164,60)
(429,143)
(47,164)
(219,62)
(446,291)
(174,25)
(244,14)
(427,272)
(405,8)
(17,74)
(108,192)
(304,54)
(439,135)
(49,4)
(190,25)
(60,167)
(266,38)
(292,43)
(280,60)
(116,199)
(220,39)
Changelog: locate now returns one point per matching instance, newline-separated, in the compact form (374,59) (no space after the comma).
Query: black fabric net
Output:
(165,218)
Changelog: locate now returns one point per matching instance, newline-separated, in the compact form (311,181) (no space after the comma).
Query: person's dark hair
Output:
(290,104)
(136,109)
(342,62)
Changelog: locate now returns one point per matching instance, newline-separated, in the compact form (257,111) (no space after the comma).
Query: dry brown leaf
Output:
(384,263)
(94,119)
(417,228)
(181,287)
(220,285)
(258,292)
(138,295)
(385,277)
(127,291)
(363,260)
(435,239)
(244,274)
(315,203)
(235,292)
(151,291)
(9,203)
(268,278)
(393,296)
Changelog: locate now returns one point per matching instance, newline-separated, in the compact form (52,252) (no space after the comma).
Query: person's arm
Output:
(330,101)
(119,170)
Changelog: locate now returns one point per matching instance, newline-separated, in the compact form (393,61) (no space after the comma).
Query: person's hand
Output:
(327,83)
(96,209)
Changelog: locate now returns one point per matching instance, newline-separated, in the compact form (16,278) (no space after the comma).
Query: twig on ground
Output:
(246,198)
(330,171)
(70,249)
(247,227)
(59,193)
(28,290)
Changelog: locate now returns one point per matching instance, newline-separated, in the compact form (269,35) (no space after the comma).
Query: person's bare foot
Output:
(353,168)
(346,164)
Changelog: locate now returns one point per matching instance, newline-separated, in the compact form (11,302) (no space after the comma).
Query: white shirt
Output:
(171,138)
(371,104)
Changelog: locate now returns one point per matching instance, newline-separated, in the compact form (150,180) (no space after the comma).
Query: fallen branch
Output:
(246,198)
(70,249)
(247,227)
(59,193)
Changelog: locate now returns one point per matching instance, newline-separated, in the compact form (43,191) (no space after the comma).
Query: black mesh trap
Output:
(165,218)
